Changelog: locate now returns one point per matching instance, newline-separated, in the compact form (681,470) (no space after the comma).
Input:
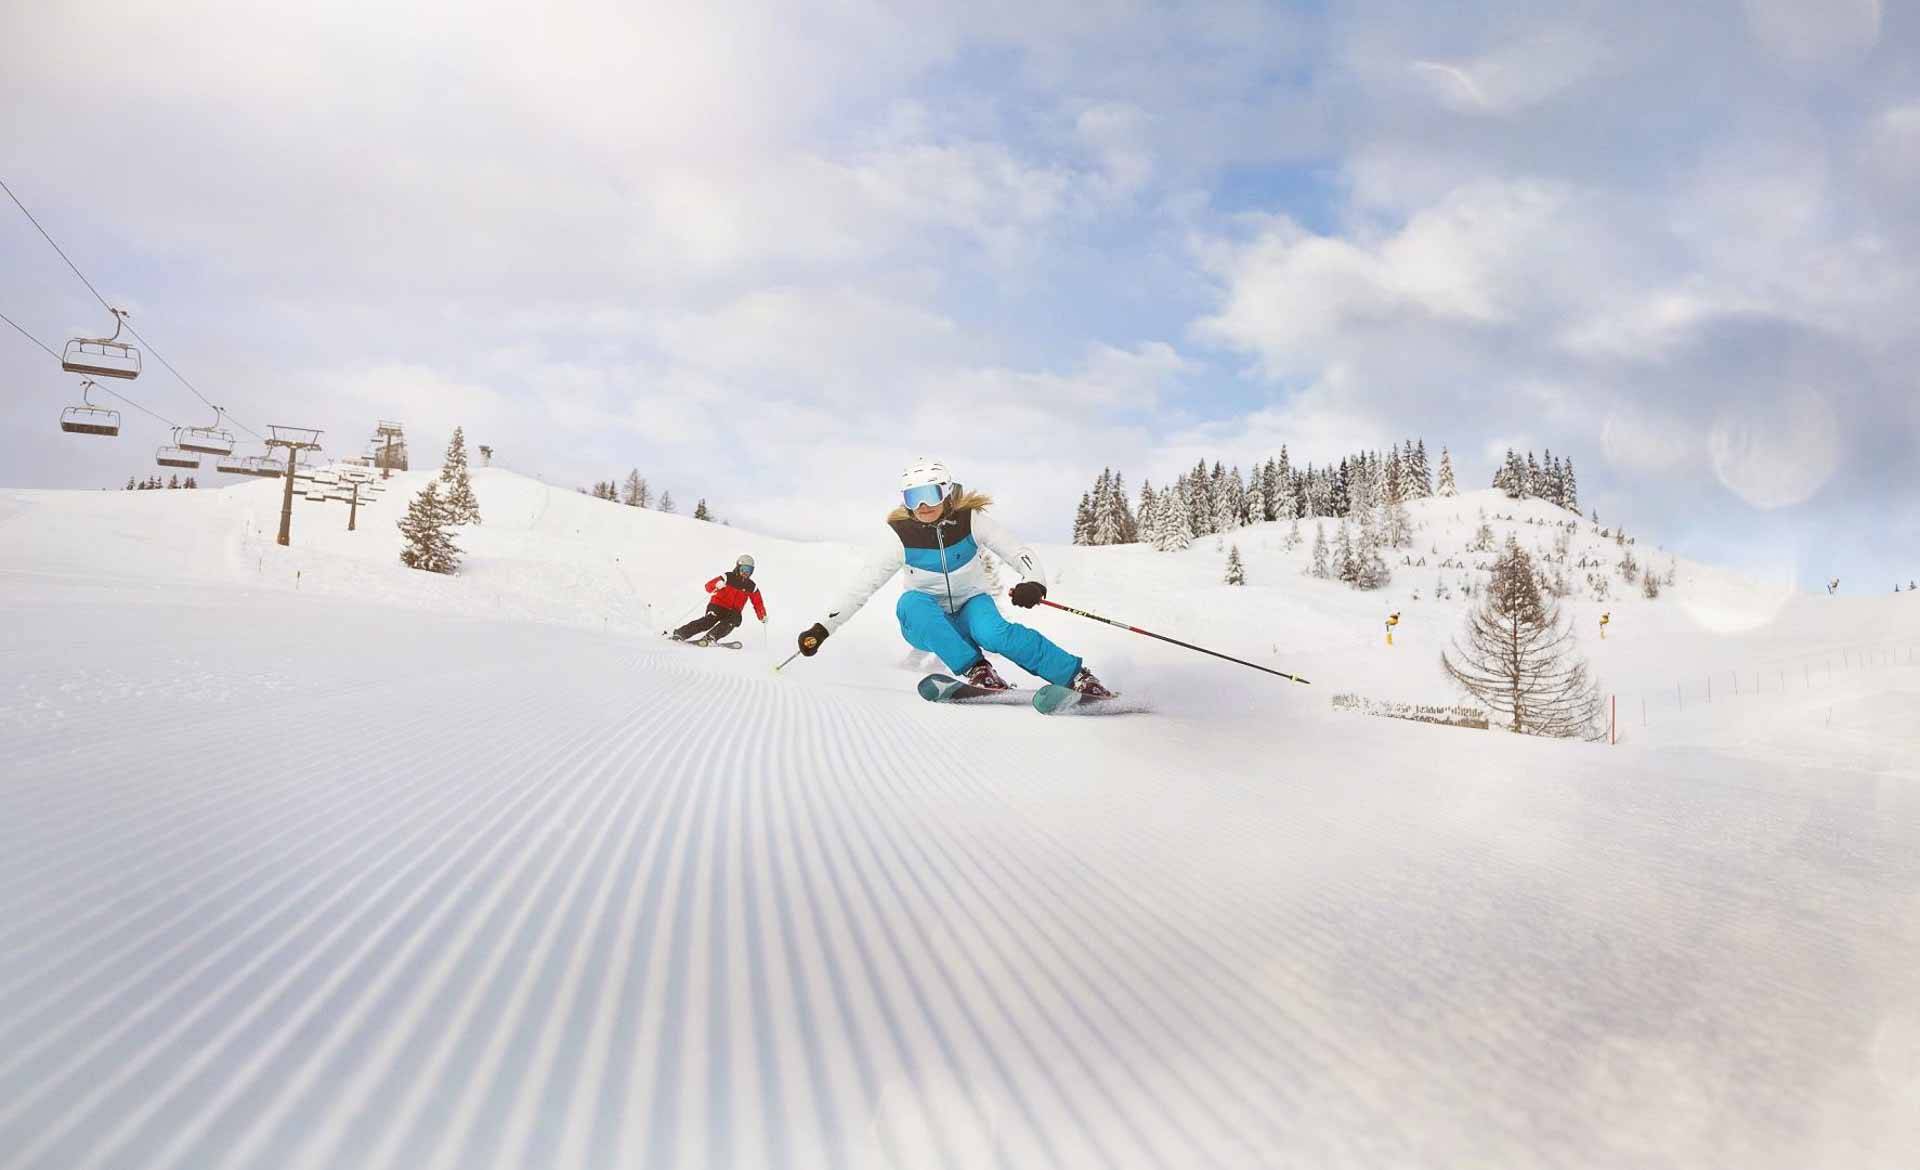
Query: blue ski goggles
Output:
(926,493)
(744,570)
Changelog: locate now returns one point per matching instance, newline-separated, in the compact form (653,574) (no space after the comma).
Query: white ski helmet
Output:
(745,562)
(921,474)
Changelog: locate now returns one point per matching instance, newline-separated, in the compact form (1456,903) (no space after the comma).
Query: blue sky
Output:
(767,252)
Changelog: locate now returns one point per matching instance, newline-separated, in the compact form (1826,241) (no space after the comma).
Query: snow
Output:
(307,860)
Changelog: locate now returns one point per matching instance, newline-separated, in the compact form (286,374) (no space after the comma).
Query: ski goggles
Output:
(926,493)
(744,570)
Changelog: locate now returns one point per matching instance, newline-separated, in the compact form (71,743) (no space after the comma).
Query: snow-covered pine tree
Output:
(1225,517)
(1142,531)
(1521,660)
(1447,488)
(1570,488)
(1236,572)
(1129,526)
(1083,520)
(1422,475)
(1536,486)
(1338,483)
(462,507)
(456,460)
(1257,510)
(429,546)
(173,483)
(1293,533)
(700,510)
(1396,525)
(1346,565)
(1369,567)
(1318,567)
(1394,489)
(1176,523)
(666,501)
(1107,524)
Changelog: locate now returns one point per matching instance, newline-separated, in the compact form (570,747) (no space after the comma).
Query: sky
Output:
(767,253)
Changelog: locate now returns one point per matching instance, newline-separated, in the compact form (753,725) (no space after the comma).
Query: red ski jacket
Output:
(732,591)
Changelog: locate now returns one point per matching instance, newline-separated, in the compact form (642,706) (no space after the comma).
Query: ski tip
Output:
(933,686)
(1054,697)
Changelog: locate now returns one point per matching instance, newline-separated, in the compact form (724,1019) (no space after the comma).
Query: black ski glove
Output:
(1027,594)
(811,638)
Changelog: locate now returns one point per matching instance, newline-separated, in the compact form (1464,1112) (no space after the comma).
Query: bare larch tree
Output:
(1521,660)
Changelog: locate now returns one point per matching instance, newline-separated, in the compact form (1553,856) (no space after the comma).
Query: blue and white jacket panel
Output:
(941,560)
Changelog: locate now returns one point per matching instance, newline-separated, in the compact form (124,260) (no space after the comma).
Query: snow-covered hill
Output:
(309,860)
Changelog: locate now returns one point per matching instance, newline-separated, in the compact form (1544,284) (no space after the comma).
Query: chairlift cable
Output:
(96,385)
(117,314)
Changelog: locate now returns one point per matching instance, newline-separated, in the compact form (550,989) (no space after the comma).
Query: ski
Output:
(705,643)
(1054,699)
(944,688)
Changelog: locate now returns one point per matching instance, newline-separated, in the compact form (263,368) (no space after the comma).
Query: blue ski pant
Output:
(959,638)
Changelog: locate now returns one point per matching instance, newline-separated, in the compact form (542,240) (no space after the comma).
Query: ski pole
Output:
(790,658)
(1177,642)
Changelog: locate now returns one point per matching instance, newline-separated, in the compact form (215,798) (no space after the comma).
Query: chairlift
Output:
(88,419)
(176,455)
(207,440)
(266,467)
(103,357)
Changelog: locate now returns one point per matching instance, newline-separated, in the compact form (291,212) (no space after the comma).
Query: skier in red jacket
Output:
(731,592)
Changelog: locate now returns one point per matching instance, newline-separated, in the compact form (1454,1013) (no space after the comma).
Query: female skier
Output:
(731,592)
(945,608)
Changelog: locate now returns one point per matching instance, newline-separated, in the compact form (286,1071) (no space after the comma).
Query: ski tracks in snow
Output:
(493,896)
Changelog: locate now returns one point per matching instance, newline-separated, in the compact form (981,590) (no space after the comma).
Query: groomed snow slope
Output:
(307,860)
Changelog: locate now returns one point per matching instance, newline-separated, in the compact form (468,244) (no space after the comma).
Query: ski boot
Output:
(1091,687)
(982,675)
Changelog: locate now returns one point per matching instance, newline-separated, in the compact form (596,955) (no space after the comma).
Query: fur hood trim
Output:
(968,502)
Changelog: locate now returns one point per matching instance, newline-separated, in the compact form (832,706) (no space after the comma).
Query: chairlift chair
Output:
(207,440)
(103,357)
(266,467)
(176,455)
(88,419)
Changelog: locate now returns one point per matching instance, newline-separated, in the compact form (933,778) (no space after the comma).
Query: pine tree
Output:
(1236,572)
(1225,518)
(173,482)
(1179,521)
(1422,477)
(666,501)
(130,483)
(1319,568)
(1257,511)
(461,506)
(1521,660)
(456,460)
(1571,490)
(1448,489)
(1369,567)
(1143,530)
(700,510)
(1129,526)
(429,546)
(1535,484)
(1396,526)
(189,483)
(1345,565)
(1083,520)
(1107,524)
(635,486)
(1395,486)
